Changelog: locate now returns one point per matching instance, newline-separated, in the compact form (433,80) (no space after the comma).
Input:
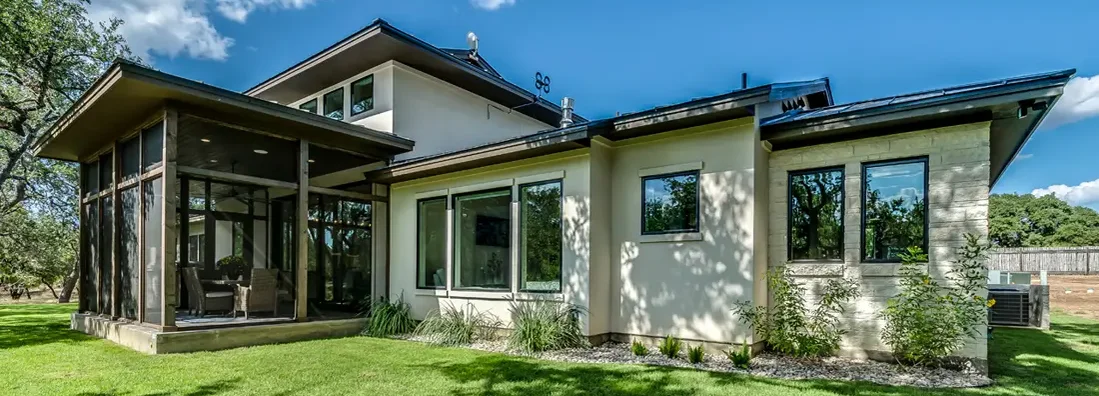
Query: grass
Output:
(40,356)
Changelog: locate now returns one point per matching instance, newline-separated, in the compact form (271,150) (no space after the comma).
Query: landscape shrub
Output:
(696,354)
(741,358)
(639,349)
(453,326)
(670,347)
(545,325)
(927,321)
(788,326)
(389,318)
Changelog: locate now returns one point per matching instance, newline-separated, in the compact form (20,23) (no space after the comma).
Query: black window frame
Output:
(351,89)
(697,173)
(343,104)
(561,231)
(313,101)
(790,210)
(454,246)
(862,208)
(419,219)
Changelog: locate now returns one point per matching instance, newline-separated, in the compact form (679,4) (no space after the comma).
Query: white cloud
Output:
(1024,157)
(1081,194)
(174,27)
(491,5)
(238,10)
(1080,101)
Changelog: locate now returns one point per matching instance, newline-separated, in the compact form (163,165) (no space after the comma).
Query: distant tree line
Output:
(1029,221)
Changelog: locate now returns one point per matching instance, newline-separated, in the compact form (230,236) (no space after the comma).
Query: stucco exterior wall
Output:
(577,276)
(958,187)
(441,117)
(686,288)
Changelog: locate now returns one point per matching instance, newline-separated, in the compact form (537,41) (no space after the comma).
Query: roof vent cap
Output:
(471,40)
(566,111)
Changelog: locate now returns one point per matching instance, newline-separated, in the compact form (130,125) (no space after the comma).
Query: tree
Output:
(50,53)
(1029,221)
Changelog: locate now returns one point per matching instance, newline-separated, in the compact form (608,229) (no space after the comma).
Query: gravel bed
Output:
(766,365)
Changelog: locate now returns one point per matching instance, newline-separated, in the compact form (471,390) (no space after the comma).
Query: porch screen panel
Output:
(129,260)
(153,223)
(106,272)
(152,146)
(89,289)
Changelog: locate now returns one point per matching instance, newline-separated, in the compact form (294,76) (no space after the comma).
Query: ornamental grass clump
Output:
(544,326)
(696,354)
(457,326)
(927,321)
(670,347)
(741,359)
(389,318)
(791,328)
(638,348)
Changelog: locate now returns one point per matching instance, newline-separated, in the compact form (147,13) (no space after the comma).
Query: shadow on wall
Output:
(576,278)
(688,289)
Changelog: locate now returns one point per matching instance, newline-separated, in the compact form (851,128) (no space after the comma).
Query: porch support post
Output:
(301,231)
(168,242)
(116,224)
(380,236)
(82,251)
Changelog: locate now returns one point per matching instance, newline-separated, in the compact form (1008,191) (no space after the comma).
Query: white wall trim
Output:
(430,292)
(679,237)
(432,194)
(483,186)
(481,295)
(540,177)
(660,170)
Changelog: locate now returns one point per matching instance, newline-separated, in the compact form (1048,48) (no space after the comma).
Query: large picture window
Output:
(431,243)
(816,214)
(540,238)
(333,104)
(670,203)
(482,249)
(362,95)
(894,215)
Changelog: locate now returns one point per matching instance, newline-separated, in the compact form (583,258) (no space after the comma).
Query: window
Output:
(152,146)
(894,202)
(131,157)
(362,95)
(90,175)
(669,203)
(482,232)
(540,238)
(816,215)
(196,245)
(310,106)
(333,104)
(431,243)
(106,171)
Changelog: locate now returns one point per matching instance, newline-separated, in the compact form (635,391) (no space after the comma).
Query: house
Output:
(385,166)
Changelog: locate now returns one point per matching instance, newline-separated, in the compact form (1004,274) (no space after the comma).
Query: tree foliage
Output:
(50,53)
(1029,221)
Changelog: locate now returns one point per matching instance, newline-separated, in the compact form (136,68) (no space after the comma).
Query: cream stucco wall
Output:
(576,269)
(958,180)
(686,288)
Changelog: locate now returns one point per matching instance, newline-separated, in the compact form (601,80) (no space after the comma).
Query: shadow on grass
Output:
(214,388)
(28,325)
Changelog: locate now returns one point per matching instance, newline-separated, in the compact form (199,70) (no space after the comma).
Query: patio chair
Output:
(261,294)
(199,300)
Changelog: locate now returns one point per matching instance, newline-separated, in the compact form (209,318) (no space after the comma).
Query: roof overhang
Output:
(128,94)
(380,42)
(1001,105)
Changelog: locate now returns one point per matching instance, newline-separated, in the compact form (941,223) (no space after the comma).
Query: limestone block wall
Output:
(958,188)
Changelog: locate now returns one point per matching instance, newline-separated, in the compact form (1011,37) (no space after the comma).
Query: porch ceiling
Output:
(129,94)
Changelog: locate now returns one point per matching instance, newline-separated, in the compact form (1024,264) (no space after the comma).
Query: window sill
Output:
(430,292)
(816,268)
(521,296)
(677,237)
(481,295)
(868,270)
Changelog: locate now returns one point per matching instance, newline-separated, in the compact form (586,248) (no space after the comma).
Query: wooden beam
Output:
(347,194)
(301,228)
(168,244)
(233,177)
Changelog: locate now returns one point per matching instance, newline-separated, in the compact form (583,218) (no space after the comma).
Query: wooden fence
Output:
(1075,260)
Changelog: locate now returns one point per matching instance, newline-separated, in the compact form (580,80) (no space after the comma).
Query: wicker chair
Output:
(199,300)
(261,294)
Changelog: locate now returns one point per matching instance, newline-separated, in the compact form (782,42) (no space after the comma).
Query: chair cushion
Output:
(217,294)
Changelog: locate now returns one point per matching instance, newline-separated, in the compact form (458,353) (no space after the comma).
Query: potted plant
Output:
(232,266)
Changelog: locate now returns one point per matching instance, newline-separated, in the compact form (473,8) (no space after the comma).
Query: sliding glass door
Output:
(340,270)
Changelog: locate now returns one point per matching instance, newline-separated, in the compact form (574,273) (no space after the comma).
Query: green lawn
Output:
(40,356)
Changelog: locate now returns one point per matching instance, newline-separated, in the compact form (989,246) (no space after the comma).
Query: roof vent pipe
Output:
(474,43)
(743,80)
(566,112)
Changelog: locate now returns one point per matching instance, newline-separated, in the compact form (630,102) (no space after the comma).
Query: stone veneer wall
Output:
(958,181)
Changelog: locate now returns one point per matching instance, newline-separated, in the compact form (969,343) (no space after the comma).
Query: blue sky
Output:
(632,55)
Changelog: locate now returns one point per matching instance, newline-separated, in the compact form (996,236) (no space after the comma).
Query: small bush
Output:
(545,325)
(788,326)
(639,349)
(453,326)
(670,347)
(388,318)
(742,358)
(695,354)
(926,321)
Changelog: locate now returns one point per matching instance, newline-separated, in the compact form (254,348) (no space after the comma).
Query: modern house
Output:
(385,166)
